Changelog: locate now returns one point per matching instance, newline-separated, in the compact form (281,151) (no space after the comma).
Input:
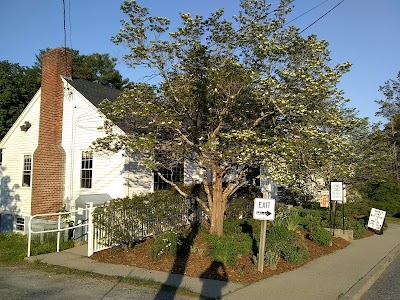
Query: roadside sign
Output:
(376,218)
(336,191)
(324,200)
(264,209)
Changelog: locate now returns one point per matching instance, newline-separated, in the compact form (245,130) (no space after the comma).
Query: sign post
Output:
(336,193)
(264,210)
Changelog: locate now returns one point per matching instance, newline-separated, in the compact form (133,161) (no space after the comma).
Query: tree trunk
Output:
(217,210)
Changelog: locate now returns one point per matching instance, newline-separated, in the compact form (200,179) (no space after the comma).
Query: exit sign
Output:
(264,209)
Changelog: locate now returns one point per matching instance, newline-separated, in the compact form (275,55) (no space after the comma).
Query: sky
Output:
(363,32)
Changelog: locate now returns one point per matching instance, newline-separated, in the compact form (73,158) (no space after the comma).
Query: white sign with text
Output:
(264,209)
(336,191)
(376,218)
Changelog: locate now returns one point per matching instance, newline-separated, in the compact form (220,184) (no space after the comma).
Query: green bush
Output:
(166,243)
(311,222)
(228,248)
(321,236)
(124,219)
(232,226)
(241,203)
(290,245)
(358,226)
(384,196)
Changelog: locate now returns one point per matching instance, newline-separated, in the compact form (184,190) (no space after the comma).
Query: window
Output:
(19,223)
(174,175)
(27,171)
(253,176)
(86,169)
(1,157)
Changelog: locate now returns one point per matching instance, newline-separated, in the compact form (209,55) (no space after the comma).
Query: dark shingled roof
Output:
(93,91)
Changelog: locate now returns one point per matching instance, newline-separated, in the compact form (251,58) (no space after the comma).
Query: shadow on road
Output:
(174,280)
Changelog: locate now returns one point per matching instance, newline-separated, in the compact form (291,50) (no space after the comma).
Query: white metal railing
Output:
(59,229)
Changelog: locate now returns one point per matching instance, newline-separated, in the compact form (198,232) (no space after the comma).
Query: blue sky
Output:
(364,32)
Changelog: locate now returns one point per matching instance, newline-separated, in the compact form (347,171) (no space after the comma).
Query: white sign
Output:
(264,209)
(336,191)
(376,218)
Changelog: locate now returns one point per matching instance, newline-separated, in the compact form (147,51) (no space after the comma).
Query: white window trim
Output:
(23,170)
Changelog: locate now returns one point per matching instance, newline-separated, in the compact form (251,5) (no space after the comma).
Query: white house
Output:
(45,159)
(46,162)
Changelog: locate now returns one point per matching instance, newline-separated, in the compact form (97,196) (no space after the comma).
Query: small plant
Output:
(358,226)
(196,250)
(165,244)
(289,244)
(228,248)
(271,259)
(320,236)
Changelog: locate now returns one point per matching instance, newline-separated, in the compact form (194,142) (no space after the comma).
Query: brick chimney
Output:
(48,174)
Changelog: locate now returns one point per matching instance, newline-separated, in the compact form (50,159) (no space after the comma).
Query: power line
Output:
(287,23)
(70,24)
(321,17)
(65,31)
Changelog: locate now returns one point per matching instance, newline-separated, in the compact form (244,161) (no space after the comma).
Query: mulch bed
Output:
(201,265)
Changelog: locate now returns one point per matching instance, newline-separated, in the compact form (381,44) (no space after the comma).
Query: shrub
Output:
(241,203)
(232,226)
(321,236)
(289,244)
(166,243)
(385,196)
(126,221)
(311,222)
(228,248)
(358,226)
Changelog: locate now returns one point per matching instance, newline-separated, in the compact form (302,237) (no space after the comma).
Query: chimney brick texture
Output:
(48,173)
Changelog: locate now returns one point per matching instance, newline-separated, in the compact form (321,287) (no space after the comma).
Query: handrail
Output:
(58,230)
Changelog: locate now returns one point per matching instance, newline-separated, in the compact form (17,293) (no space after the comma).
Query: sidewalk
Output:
(344,274)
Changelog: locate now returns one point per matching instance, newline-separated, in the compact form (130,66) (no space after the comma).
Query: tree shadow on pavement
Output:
(212,289)
(169,288)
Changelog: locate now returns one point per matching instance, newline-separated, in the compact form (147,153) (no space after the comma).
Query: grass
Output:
(392,220)
(14,247)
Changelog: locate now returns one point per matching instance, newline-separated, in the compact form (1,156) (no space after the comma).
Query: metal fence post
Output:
(29,236)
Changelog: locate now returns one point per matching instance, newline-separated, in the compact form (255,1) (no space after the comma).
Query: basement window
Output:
(27,171)
(86,169)
(19,223)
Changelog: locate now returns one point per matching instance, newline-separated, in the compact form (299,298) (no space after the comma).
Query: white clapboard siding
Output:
(14,198)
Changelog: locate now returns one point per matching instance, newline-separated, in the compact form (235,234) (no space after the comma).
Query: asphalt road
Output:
(387,287)
(27,283)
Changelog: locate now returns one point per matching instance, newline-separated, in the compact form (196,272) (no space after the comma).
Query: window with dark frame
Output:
(1,157)
(27,171)
(175,175)
(86,169)
(253,176)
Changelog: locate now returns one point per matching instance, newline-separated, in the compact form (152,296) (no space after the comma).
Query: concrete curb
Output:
(365,283)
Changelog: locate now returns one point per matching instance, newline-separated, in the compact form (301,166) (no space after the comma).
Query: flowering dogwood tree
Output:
(233,94)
